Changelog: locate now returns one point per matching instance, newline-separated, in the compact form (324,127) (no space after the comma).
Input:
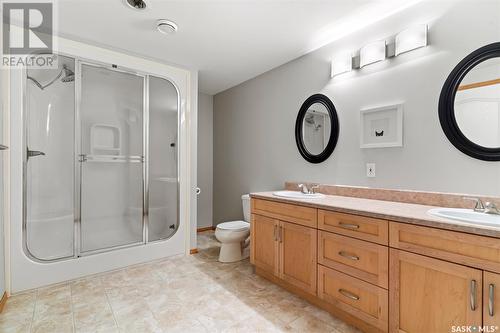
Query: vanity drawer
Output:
(361,299)
(466,249)
(365,228)
(364,260)
(286,212)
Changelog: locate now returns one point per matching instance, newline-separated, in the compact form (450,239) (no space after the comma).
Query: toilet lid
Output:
(234,226)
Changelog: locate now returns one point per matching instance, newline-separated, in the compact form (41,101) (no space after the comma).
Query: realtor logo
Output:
(28,34)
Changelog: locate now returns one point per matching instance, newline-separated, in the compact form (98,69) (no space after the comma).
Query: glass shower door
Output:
(111,158)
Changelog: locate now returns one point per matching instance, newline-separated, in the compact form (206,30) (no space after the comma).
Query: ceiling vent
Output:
(136,4)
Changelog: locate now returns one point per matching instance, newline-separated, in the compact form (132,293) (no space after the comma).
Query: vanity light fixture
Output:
(341,63)
(411,38)
(166,27)
(372,53)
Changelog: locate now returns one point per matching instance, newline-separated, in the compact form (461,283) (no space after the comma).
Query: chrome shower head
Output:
(69,76)
(309,119)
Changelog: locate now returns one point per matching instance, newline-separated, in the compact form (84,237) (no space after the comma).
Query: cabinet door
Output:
(491,301)
(264,247)
(431,295)
(298,249)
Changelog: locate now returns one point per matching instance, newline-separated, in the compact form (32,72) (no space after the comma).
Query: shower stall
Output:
(101,159)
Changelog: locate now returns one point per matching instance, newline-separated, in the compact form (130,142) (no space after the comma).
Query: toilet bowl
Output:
(233,235)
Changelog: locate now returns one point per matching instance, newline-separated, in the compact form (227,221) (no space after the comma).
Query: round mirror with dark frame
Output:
(469,105)
(316,128)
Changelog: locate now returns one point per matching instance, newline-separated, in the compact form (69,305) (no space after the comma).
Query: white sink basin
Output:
(298,195)
(467,215)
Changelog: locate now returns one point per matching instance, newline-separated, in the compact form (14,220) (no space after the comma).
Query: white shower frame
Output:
(77,235)
(23,272)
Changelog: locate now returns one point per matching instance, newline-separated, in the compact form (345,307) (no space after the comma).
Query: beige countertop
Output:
(388,210)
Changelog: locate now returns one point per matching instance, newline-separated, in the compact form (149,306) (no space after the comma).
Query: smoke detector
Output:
(166,27)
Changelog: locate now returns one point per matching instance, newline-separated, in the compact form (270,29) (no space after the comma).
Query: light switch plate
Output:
(370,170)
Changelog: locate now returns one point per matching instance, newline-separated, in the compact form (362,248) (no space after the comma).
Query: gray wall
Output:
(205,159)
(254,147)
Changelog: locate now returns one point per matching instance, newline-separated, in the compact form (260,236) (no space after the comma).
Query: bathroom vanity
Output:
(379,265)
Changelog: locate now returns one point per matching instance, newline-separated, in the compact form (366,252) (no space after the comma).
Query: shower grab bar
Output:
(112,158)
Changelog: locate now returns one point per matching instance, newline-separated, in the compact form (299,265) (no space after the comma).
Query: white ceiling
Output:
(228,41)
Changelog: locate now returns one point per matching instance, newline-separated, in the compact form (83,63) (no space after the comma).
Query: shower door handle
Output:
(3,147)
(34,153)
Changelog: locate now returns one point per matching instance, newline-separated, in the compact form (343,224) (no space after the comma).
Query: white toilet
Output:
(234,235)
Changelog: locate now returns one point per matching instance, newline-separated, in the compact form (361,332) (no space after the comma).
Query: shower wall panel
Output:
(49,176)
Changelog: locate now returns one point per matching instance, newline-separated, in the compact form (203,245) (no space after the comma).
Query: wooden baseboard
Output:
(3,301)
(205,229)
(193,251)
(344,316)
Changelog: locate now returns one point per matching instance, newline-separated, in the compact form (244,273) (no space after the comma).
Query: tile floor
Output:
(181,294)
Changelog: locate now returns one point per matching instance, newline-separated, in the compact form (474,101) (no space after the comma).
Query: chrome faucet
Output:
(491,208)
(487,208)
(304,189)
(479,206)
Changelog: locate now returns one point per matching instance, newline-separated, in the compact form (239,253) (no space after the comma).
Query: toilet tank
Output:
(246,207)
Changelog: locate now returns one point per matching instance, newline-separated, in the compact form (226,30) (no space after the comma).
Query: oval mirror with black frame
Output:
(469,105)
(317,128)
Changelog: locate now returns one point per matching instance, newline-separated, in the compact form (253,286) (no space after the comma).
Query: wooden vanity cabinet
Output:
(284,249)
(440,278)
(376,274)
(431,295)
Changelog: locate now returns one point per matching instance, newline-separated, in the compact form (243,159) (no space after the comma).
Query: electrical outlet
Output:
(370,170)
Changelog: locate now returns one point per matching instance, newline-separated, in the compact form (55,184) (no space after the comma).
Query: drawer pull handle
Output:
(473,295)
(491,298)
(348,225)
(348,256)
(349,294)
(274,233)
